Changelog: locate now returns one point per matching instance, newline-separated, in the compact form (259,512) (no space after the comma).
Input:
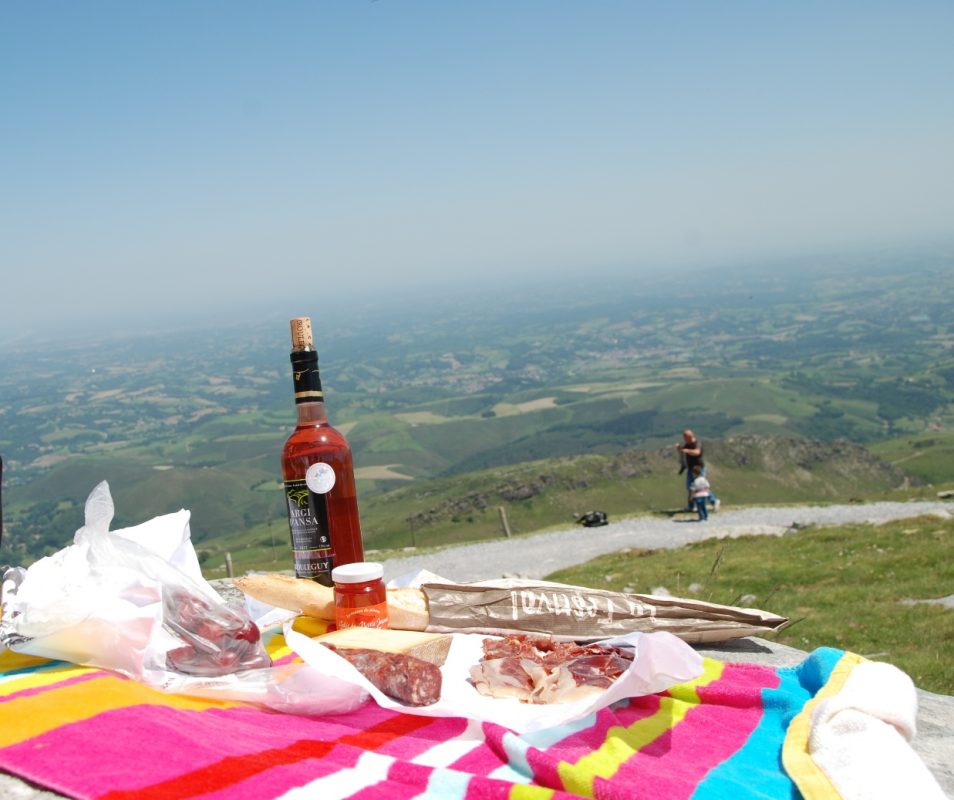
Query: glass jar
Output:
(361,601)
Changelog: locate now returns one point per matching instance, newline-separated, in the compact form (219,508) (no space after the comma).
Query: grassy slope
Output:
(928,457)
(553,492)
(233,492)
(588,418)
(842,587)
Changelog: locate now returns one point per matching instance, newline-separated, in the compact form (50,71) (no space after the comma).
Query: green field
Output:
(848,587)
(927,457)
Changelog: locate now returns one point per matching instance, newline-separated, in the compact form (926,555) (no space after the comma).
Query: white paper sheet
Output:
(662,660)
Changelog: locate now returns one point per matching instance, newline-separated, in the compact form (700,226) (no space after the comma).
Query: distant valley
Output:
(460,397)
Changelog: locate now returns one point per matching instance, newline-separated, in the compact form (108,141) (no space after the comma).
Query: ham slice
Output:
(539,670)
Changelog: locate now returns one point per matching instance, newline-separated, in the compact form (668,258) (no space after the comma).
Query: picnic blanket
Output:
(89,733)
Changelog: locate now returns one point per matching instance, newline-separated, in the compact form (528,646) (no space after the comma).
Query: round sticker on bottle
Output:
(320,478)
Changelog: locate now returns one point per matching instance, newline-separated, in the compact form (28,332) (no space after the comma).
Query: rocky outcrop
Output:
(841,456)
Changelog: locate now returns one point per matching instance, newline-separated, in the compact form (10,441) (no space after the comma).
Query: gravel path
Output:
(540,554)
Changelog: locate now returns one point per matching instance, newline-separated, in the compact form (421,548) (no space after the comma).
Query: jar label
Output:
(375,616)
(310,534)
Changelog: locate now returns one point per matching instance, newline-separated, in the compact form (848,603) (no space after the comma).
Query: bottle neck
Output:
(311,413)
(306,377)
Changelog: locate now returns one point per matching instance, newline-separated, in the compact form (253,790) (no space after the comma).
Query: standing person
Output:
(690,449)
(700,491)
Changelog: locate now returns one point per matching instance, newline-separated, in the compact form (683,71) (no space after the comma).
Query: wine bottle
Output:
(318,474)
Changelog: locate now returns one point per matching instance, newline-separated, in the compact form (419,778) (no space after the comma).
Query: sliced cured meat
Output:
(504,677)
(539,670)
(598,669)
(405,678)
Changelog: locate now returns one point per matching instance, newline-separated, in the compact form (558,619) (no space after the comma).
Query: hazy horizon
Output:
(163,162)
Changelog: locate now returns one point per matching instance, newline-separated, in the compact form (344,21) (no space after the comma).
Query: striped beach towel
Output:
(88,733)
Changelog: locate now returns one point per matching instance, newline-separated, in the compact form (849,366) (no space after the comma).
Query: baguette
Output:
(407,608)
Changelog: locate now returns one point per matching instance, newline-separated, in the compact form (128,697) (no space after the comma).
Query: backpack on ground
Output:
(593,519)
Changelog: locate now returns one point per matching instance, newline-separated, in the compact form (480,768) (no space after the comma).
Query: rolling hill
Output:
(444,400)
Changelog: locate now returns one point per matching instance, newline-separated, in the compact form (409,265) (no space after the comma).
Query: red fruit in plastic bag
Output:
(249,633)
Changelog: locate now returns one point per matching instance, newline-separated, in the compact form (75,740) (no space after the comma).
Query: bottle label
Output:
(310,534)
(320,477)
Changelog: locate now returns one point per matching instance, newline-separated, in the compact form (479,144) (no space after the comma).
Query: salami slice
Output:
(405,678)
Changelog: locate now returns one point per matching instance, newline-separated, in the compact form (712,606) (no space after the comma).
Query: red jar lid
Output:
(361,572)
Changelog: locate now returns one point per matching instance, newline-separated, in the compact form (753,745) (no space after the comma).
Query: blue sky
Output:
(170,158)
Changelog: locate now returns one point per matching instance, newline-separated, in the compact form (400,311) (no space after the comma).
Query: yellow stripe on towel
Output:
(10,661)
(15,684)
(622,743)
(520,791)
(37,713)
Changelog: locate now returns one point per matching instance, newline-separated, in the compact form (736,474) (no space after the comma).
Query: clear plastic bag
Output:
(134,601)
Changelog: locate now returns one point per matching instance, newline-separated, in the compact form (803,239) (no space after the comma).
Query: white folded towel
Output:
(860,737)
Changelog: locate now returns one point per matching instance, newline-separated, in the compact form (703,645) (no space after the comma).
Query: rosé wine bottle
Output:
(318,474)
